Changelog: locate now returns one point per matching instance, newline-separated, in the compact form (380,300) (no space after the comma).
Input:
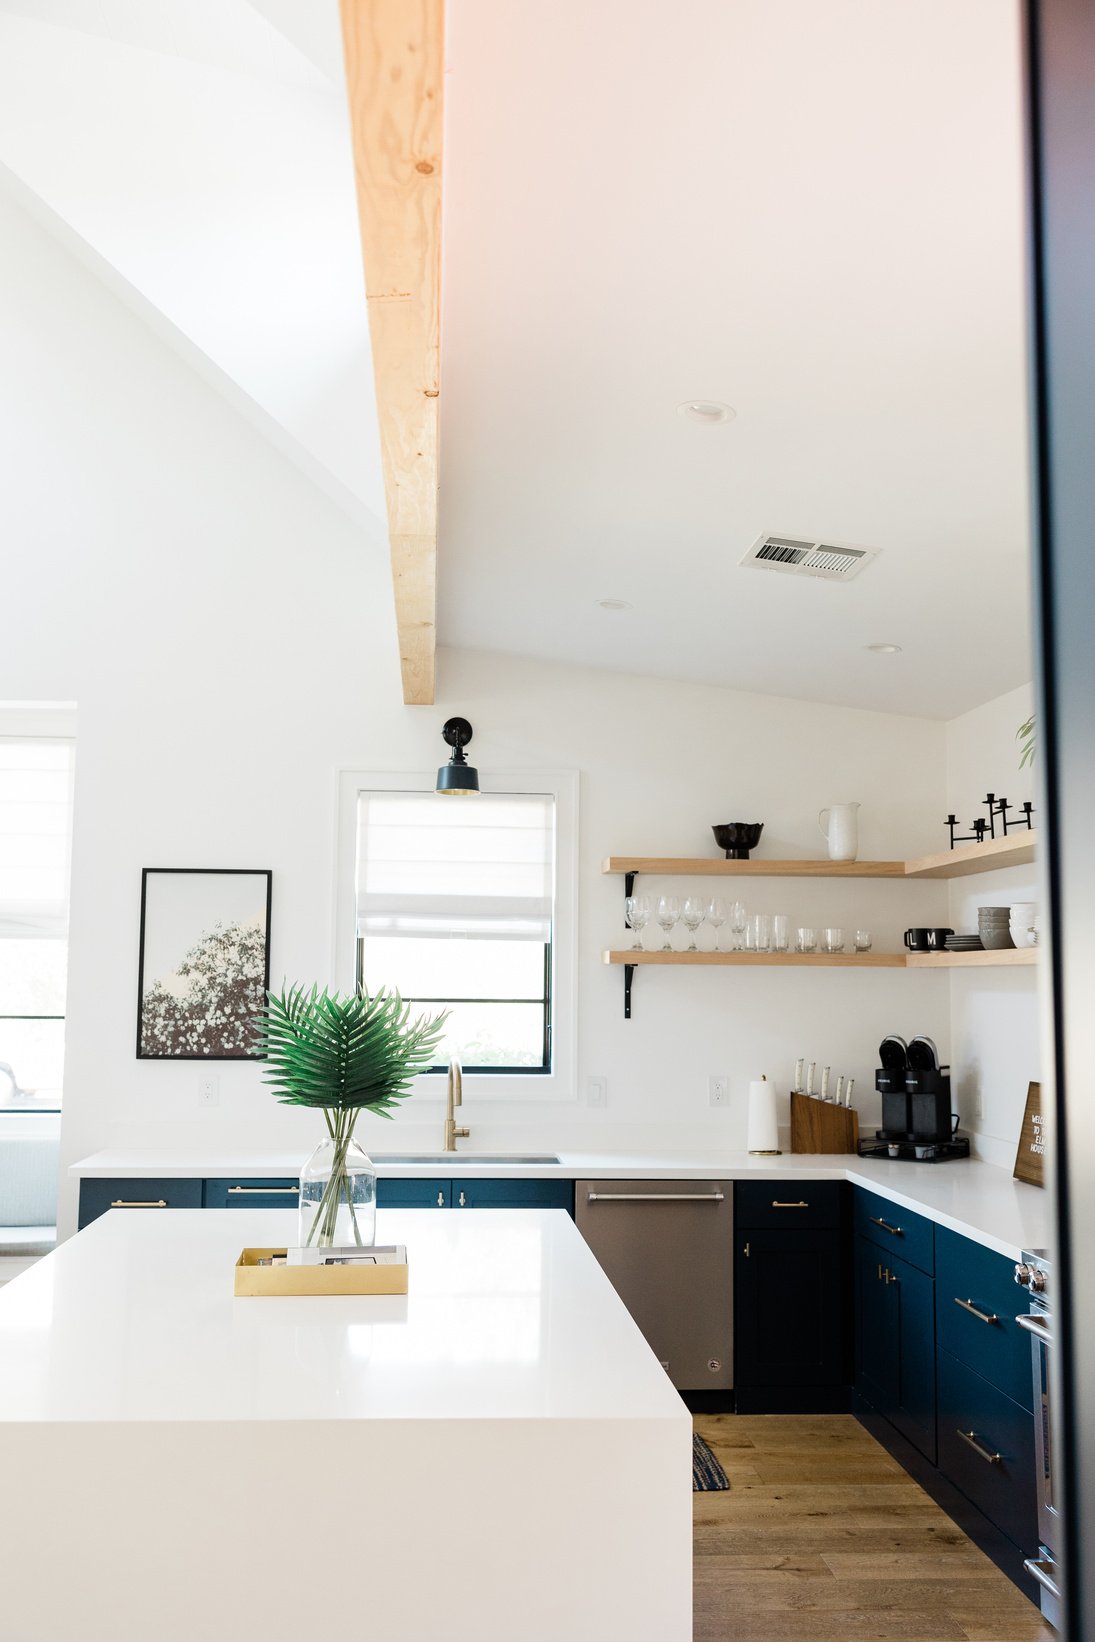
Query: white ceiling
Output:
(810,209)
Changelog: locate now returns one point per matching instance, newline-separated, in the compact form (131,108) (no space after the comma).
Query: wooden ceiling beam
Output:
(394,53)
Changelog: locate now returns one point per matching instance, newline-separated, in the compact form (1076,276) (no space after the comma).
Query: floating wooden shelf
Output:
(1014,851)
(713,867)
(759,960)
(1017,850)
(1009,957)
(630,960)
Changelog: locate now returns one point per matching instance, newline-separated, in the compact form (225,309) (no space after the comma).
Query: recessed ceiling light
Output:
(614,604)
(884,649)
(709,411)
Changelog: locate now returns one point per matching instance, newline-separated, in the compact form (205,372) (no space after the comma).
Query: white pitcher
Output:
(838,823)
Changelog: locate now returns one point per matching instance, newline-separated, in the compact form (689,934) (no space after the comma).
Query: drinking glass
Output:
(779,932)
(863,942)
(757,933)
(716,917)
(737,925)
(833,940)
(806,940)
(668,911)
(693,913)
(638,916)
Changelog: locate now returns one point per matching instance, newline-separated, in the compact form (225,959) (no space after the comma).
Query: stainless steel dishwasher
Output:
(666,1246)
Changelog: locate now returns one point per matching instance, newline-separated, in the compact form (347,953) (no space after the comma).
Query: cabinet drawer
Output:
(896,1230)
(976,1300)
(787,1204)
(998,1473)
(97,1196)
(251,1194)
(413,1194)
(513,1194)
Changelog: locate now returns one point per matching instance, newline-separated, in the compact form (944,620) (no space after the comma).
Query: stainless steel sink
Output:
(478,1158)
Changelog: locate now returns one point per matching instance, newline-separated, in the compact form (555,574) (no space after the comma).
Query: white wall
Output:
(995,1037)
(231,646)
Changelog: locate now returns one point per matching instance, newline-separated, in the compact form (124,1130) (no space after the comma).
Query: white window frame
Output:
(523,1088)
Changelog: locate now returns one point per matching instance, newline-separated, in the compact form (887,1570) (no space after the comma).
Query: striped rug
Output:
(708,1476)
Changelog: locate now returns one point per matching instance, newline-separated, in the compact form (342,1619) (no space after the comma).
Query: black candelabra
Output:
(999,822)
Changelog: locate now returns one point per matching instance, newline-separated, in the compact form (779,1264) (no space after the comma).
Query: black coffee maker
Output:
(916,1104)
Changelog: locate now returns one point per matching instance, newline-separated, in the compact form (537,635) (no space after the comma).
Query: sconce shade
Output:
(457,776)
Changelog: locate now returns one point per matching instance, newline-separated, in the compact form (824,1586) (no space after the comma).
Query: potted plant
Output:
(344,1054)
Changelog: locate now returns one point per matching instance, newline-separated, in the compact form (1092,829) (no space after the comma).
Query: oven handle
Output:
(1033,1324)
(1036,1568)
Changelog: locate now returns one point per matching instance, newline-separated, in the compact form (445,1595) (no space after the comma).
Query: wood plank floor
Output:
(824,1536)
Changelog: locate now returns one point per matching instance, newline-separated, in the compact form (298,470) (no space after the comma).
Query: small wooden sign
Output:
(1031,1157)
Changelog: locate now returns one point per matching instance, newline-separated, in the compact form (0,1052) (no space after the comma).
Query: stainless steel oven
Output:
(1034,1274)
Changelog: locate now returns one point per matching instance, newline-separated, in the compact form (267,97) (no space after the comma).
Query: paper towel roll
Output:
(762,1128)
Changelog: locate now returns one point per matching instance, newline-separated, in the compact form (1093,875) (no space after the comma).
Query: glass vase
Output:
(337,1197)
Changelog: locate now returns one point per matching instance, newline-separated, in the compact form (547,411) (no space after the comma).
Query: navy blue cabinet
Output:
(97,1196)
(895,1342)
(413,1194)
(249,1193)
(475,1194)
(986,1448)
(791,1335)
(975,1305)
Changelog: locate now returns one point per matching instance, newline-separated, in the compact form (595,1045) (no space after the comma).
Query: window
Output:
(466,905)
(35,833)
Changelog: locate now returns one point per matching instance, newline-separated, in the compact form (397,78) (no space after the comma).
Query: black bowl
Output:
(737,838)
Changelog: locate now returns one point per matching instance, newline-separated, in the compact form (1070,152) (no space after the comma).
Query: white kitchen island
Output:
(497,1455)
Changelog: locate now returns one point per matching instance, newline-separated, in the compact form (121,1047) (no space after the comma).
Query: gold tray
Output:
(251,1278)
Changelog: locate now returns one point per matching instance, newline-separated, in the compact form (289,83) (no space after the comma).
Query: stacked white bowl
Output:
(1023,923)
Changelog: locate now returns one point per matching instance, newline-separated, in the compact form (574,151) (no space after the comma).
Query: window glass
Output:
(32,1060)
(433,968)
(32,976)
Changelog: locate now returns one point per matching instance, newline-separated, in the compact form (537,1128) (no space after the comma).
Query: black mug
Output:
(916,940)
(937,939)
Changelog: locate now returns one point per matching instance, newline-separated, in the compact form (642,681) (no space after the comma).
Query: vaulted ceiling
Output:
(810,210)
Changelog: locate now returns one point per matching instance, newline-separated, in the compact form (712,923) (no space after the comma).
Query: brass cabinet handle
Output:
(894,1231)
(120,1203)
(745,1251)
(979,1448)
(259,1191)
(462,1203)
(802,1204)
(440,1200)
(975,1311)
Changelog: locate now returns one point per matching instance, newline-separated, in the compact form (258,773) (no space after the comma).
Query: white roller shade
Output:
(467,866)
(35,835)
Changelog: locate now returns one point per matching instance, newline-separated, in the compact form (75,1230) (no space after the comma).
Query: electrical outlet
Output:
(596,1091)
(718,1090)
(209,1089)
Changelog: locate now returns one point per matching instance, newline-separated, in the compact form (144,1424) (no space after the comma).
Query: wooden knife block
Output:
(817,1126)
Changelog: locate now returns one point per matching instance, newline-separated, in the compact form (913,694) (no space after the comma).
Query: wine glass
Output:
(692,915)
(716,917)
(638,916)
(668,911)
(737,925)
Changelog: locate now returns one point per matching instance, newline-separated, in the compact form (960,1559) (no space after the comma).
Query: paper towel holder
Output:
(763,1151)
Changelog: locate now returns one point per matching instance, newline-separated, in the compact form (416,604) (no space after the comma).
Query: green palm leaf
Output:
(344,1052)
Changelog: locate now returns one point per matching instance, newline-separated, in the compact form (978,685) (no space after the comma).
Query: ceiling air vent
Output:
(796,557)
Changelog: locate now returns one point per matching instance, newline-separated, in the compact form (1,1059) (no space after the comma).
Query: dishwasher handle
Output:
(655,1197)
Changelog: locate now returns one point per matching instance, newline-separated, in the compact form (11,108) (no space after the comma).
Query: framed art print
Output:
(204,964)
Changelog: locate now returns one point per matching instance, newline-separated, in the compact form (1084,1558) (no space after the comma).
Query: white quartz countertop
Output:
(977,1199)
(509,1317)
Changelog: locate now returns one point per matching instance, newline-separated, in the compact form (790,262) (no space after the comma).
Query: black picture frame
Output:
(170,1021)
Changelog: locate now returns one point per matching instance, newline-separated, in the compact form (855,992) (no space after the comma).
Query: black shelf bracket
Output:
(629,975)
(629,885)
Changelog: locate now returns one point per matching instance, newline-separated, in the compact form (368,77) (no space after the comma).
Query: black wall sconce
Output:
(457,776)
